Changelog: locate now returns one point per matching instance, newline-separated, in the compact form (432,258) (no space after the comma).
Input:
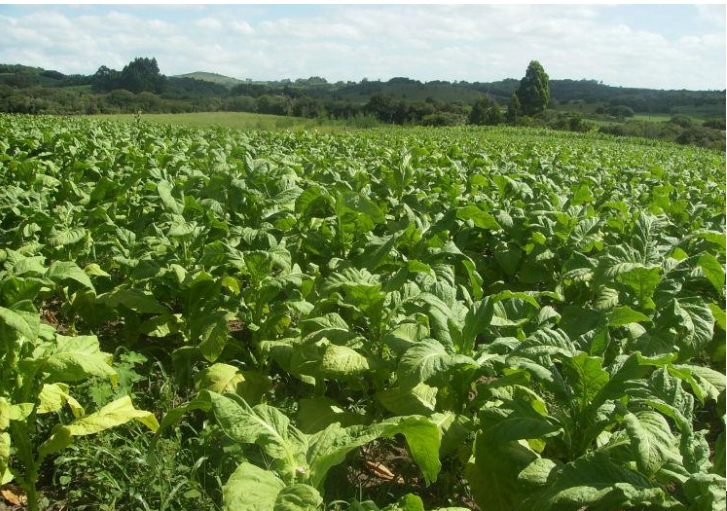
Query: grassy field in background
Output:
(665,117)
(241,120)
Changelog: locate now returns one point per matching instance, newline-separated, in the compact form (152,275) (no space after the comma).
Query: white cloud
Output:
(471,42)
(713,13)
(209,23)
(241,27)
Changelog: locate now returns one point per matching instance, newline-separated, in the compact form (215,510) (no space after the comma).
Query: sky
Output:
(655,46)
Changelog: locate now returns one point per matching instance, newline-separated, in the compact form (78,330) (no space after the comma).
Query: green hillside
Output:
(227,81)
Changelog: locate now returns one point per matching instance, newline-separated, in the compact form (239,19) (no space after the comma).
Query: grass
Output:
(665,117)
(263,122)
(239,120)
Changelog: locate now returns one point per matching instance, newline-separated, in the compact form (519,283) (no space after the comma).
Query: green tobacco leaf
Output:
(706,492)
(694,323)
(213,334)
(163,325)
(262,425)
(418,400)
(342,362)
(493,476)
(426,362)
(4,457)
(593,482)
(546,342)
(651,440)
(480,218)
(454,429)
(586,377)
(298,497)
(64,271)
(643,282)
(222,378)
(75,359)
(520,422)
(477,320)
(330,446)
(23,323)
(251,488)
(164,189)
(360,210)
(710,382)
(318,413)
(138,301)
(719,315)
(67,237)
(13,412)
(624,315)
(713,270)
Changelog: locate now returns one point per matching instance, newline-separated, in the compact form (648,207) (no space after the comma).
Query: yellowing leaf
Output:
(113,414)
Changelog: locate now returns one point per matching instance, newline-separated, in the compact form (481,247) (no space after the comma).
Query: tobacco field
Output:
(398,319)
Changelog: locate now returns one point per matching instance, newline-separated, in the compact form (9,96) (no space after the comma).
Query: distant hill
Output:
(227,81)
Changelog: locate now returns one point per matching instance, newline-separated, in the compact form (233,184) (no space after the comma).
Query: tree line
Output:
(534,100)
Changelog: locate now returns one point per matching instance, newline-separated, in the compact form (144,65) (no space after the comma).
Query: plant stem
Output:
(25,455)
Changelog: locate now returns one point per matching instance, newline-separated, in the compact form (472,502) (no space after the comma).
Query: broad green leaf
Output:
(418,400)
(624,315)
(706,492)
(361,211)
(693,321)
(643,282)
(586,377)
(593,481)
(213,334)
(330,446)
(711,382)
(493,475)
(426,362)
(62,238)
(138,301)
(4,456)
(164,189)
(262,425)
(719,316)
(63,271)
(454,429)
(251,488)
(318,413)
(651,440)
(75,359)
(222,378)
(23,323)
(298,497)
(163,325)
(713,270)
(480,218)
(519,421)
(342,362)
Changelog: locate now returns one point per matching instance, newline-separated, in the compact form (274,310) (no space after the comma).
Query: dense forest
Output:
(575,105)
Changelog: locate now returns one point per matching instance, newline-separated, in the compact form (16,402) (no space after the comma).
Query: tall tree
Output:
(486,112)
(142,74)
(534,90)
(479,111)
(514,109)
